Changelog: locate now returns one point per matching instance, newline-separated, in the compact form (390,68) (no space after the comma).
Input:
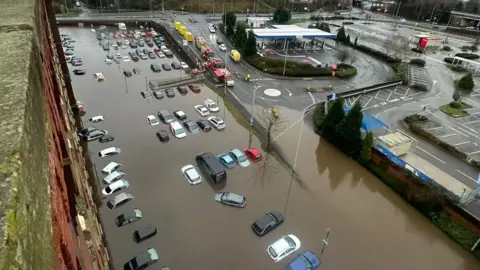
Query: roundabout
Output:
(270,92)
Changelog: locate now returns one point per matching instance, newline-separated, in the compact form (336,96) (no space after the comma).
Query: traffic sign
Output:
(325,240)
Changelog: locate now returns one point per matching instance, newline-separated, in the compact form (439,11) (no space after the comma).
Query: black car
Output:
(92,133)
(163,135)
(151,55)
(149,43)
(155,68)
(191,126)
(146,95)
(268,222)
(176,65)
(146,51)
(138,51)
(137,71)
(135,58)
(204,125)
(219,41)
(79,71)
(133,45)
(170,93)
(168,53)
(106,138)
(131,54)
(127,73)
(142,260)
(158,94)
(182,90)
(144,233)
(166,67)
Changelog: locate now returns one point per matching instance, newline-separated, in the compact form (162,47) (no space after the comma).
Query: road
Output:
(332,191)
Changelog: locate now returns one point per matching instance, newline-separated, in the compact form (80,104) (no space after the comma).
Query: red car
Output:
(194,88)
(77,63)
(253,154)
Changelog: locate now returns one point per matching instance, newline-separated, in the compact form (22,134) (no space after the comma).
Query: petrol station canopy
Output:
(290,32)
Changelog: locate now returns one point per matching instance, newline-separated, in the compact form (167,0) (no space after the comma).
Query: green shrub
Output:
(457,232)
(347,23)
(415,118)
(401,72)
(457,68)
(447,48)
(466,83)
(345,70)
(417,61)
(455,105)
(469,56)
(292,68)
(375,53)
(450,60)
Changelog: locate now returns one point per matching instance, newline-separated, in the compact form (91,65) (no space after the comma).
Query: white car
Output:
(127,42)
(217,122)
(96,119)
(211,29)
(126,59)
(161,55)
(222,47)
(202,110)
(108,61)
(99,77)
(115,187)
(283,247)
(107,152)
(114,176)
(184,65)
(118,55)
(211,105)
(153,120)
(111,167)
(163,48)
(123,46)
(192,175)
(177,130)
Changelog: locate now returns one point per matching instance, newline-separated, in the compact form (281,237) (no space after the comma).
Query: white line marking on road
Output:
(311,96)
(377,93)
(414,94)
(457,144)
(434,128)
(468,127)
(470,100)
(462,173)
(289,93)
(389,109)
(471,122)
(388,98)
(472,153)
(469,133)
(426,152)
(408,89)
(368,102)
(458,131)
(411,102)
(409,99)
(355,99)
(448,135)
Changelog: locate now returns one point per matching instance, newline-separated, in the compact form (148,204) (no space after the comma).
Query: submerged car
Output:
(91,133)
(231,199)
(142,260)
(128,217)
(191,126)
(109,152)
(192,175)
(204,125)
(226,160)
(202,110)
(283,247)
(217,122)
(253,154)
(115,187)
(268,222)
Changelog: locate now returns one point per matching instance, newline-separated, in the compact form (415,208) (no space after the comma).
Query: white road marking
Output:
(414,94)
(389,109)
(470,100)
(462,173)
(426,152)
(457,144)
(434,128)
(458,131)
(411,102)
(377,93)
(468,127)
(394,100)
(408,89)
(471,122)
(472,153)
(311,96)
(289,93)
(448,135)
(469,133)
(389,95)
(368,102)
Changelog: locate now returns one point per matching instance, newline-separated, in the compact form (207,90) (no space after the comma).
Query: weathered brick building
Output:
(47,215)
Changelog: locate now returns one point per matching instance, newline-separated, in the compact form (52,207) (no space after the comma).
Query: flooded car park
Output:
(371,228)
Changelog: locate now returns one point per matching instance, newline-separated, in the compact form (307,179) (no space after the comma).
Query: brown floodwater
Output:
(371,227)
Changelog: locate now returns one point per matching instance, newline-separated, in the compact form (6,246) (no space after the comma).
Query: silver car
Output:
(193,177)
(119,200)
(230,198)
(114,176)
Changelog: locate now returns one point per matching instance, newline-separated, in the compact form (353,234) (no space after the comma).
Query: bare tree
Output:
(274,123)
(397,46)
(353,58)
(343,54)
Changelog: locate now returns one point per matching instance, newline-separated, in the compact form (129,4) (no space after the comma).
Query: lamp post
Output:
(126,85)
(255,87)
(285,62)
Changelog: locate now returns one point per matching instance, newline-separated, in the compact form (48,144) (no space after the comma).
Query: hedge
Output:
(418,62)
(297,69)
(450,60)
(447,48)
(469,56)
(375,53)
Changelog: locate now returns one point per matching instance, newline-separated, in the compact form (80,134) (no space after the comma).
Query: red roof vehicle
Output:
(194,88)
(253,154)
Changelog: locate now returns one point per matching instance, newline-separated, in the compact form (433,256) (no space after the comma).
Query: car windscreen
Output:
(179,131)
(108,189)
(272,252)
(241,158)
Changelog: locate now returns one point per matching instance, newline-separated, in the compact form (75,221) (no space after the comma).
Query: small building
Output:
(398,143)
(257,22)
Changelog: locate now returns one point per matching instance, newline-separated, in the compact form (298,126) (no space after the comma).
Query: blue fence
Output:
(395,159)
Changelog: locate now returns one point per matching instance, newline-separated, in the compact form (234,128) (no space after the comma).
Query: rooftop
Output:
(290,32)
(394,139)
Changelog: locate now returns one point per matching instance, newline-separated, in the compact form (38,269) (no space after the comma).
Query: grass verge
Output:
(458,111)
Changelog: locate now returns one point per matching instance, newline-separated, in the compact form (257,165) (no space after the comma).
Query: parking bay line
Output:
(473,130)
(469,133)
(426,152)
(434,128)
(458,131)
(462,173)
(448,135)
(461,143)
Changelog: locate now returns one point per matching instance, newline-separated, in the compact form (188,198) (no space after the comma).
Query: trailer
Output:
(224,76)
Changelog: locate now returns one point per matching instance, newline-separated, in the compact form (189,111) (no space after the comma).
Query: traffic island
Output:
(456,109)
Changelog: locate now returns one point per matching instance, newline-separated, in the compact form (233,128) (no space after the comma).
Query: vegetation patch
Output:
(401,72)
(470,56)
(455,109)
(447,48)
(466,83)
(418,62)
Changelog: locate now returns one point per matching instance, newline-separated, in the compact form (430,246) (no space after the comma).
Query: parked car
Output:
(267,222)
(226,160)
(191,126)
(137,71)
(202,110)
(146,94)
(168,53)
(176,65)
(152,120)
(91,133)
(135,58)
(151,55)
(107,152)
(160,55)
(181,115)
(305,261)
(165,116)
(253,154)
(119,200)
(99,77)
(217,122)
(155,68)
(194,88)
(79,71)
(211,105)
(106,138)
(231,199)
(182,90)
(127,73)
(204,125)
(222,47)
(142,260)
(192,175)
(239,157)
(128,217)
(184,65)
(166,67)
(170,93)
(114,176)
(145,232)
(111,167)
(163,135)
(158,94)
(115,187)
(283,247)
(177,130)
(143,56)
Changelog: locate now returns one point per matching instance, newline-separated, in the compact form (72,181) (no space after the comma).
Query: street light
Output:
(285,62)
(255,87)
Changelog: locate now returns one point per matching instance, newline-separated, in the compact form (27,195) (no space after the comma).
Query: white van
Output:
(114,176)
(177,130)
(111,167)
